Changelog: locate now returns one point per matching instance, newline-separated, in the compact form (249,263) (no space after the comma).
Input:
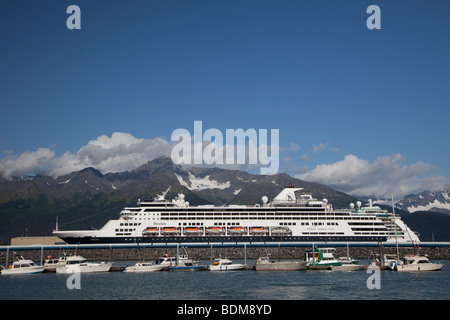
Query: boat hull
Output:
(31,270)
(191,268)
(85,268)
(281,266)
(229,267)
(143,269)
(347,267)
(418,268)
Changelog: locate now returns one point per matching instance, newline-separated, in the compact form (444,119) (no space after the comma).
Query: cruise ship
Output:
(292,216)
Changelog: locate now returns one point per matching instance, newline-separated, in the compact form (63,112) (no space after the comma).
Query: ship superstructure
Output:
(398,231)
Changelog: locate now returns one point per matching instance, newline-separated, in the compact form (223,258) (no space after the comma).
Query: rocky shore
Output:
(119,254)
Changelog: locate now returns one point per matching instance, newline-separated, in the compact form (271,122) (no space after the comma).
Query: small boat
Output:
(347,260)
(23,266)
(415,263)
(183,263)
(225,265)
(258,231)
(388,260)
(53,263)
(215,231)
(322,257)
(144,267)
(192,231)
(280,231)
(150,231)
(347,264)
(80,264)
(170,231)
(236,230)
(264,264)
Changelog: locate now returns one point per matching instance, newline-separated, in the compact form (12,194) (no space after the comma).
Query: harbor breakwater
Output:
(205,253)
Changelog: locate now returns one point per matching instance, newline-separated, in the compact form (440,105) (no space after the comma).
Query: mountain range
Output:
(29,206)
(438,201)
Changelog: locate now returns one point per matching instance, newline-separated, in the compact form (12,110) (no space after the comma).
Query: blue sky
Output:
(364,111)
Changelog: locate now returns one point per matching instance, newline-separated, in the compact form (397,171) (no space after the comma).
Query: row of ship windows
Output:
(263,218)
(237,224)
(322,233)
(133,239)
(281,224)
(124,230)
(271,214)
(319,210)
(372,233)
(369,229)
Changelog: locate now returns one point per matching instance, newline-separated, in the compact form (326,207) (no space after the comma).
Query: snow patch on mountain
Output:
(198,183)
(429,206)
(426,201)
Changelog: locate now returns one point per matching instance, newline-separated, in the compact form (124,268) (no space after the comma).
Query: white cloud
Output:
(120,152)
(319,147)
(28,162)
(384,176)
(292,147)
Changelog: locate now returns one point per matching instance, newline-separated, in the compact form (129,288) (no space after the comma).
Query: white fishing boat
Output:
(182,263)
(322,257)
(416,263)
(225,265)
(22,266)
(80,264)
(144,267)
(53,263)
(347,264)
(265,264)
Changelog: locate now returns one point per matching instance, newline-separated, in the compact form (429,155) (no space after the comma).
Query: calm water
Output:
(236,285)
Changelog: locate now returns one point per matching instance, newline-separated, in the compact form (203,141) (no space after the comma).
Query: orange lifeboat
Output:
(192,231)
(258,230)
(150,231)
(170,230)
